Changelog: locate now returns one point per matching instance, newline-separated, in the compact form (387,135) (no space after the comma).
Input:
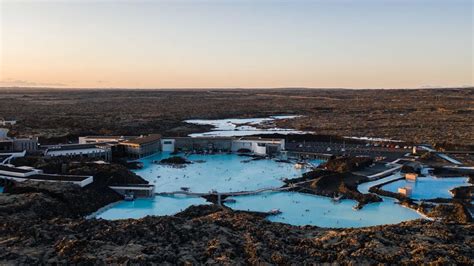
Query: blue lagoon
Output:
(429,187)
(157,206)
(304,209)
(221,172)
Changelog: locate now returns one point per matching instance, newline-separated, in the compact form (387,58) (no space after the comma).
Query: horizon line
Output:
(234,88)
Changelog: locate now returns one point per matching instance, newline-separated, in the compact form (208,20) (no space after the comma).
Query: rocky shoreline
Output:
(334,179)
(45,225)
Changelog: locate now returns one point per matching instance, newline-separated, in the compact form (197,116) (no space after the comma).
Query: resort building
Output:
(259,146)
(97,151)
(8,144)
(24,173)
(168,145)
(139,147)
(103,139)
(222,144)
(142,146)
(25,144)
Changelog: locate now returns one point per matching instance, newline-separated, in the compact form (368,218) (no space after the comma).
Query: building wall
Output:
(239,145)
(260,147)
(189,144)
(148,149)
(18,174)
(6,146)
(82,183)
(168,145)
(30,144)
(139,192)
(137,151)
(105,154)
(98,139)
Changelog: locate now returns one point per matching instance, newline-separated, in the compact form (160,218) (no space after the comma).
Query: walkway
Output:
(229,194)
(237,193)
(364,187)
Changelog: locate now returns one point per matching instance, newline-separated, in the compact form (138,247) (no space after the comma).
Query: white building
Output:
(168,145)
(259,146)
(24,173)
(256,145)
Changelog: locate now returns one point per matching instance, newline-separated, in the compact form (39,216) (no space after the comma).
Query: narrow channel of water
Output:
(242,126)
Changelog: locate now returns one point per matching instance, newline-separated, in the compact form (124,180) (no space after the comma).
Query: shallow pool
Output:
(429,187)
(157,206)
(297,208)
(230,172)
(305,209)
(222,172)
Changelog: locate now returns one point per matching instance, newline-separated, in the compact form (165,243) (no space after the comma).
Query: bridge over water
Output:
(227,194)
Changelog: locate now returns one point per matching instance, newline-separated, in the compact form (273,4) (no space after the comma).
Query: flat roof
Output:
(13,169)
(72,147)
(203,138)
(110,137)
(260,139)
(133,185)
(58,177)
(144,139)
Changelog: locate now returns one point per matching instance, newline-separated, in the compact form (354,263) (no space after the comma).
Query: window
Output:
(167,142)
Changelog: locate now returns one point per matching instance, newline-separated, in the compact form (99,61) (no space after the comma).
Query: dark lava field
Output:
(436,116)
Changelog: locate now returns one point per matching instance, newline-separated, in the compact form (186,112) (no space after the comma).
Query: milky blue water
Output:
(157,206)
(228,172)
(222,172)
(429,187)
(304,209)
(236,127)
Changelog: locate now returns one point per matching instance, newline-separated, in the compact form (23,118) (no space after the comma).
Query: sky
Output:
(237,44)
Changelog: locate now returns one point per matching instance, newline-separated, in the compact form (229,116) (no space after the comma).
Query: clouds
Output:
(27,83)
